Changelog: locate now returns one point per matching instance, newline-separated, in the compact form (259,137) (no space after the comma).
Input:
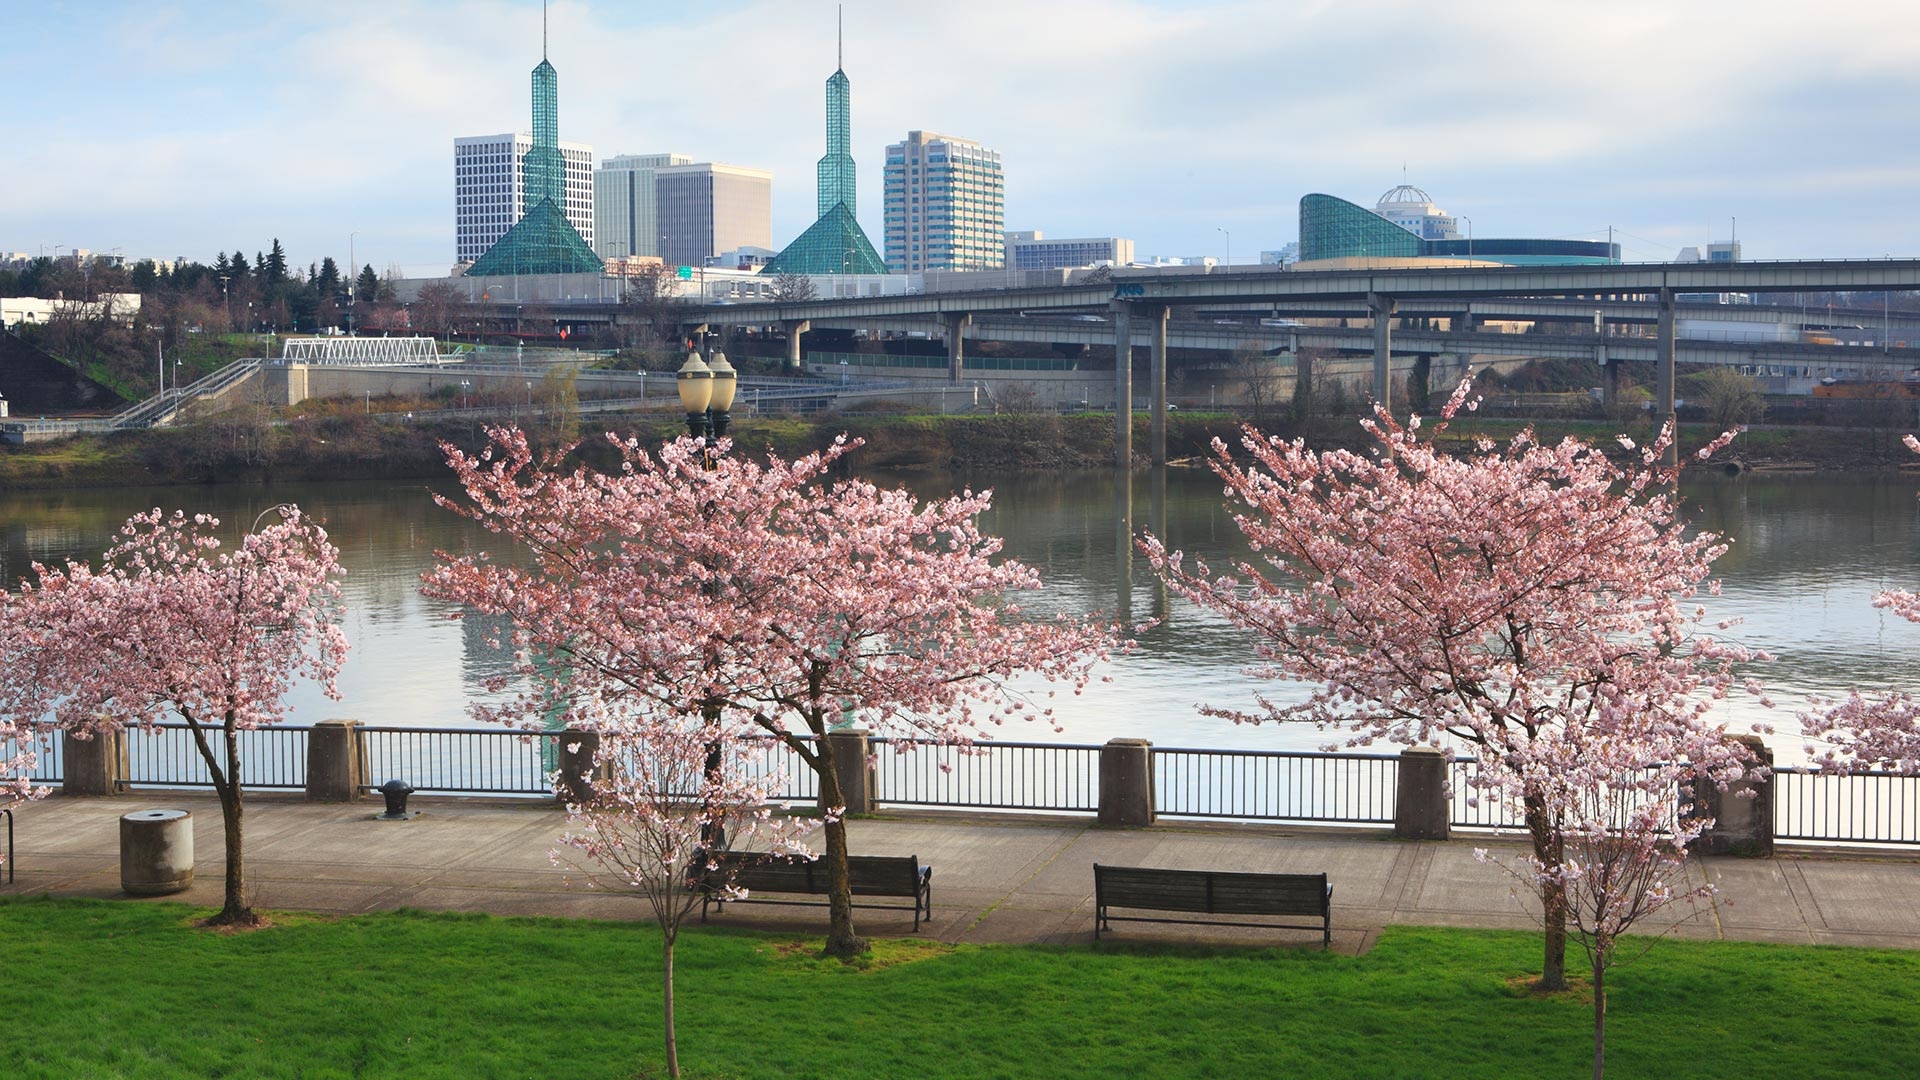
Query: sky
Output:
(1191,126)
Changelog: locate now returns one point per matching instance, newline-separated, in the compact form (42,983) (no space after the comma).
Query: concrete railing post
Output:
(858,783)
(1742,823)
(336,762)
(95,765)
(1126,782)
(1420,810)
(579,766)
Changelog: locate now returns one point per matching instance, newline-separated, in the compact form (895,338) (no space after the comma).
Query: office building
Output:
(706,208)
(944,200)
(1031,250)
(490,189)
(624,221)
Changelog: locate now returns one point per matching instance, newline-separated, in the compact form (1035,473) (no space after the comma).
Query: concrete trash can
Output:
(156,852)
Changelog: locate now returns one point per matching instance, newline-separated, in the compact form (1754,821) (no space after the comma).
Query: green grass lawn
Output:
(101,989)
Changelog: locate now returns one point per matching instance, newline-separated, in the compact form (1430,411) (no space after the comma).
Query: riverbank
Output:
(245,447)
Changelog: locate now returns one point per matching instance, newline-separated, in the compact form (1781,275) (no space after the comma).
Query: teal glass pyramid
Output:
(543,242)
(833,245)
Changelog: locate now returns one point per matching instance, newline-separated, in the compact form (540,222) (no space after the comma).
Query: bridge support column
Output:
(1663,364)
(1610,394)
(1157,380)
(1123,385)
(1381,308)
(795,328)
(956,323)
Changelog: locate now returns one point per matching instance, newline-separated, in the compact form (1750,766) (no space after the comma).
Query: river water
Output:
(1809,552)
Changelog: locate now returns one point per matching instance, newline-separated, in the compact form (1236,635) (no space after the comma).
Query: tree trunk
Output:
(226,784)
(1550,848)
(841,939)
(673,1045)
(1599,1015)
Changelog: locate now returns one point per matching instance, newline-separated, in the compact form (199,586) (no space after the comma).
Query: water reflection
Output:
(1808,553)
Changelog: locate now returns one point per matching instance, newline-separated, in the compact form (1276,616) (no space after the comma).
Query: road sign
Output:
(684,273)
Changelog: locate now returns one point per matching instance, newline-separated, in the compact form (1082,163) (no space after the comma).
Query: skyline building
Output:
(835,243)
(1332,228)
(1031,250)
(625,219)
(1413,210)
(945,205)
(544,240)
(705,208)
(489,185)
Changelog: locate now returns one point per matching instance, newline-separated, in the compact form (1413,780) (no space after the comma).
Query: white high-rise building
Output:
(944,202)
(625,220)
(489,189)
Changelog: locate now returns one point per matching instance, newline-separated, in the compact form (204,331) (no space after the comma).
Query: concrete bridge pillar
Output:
(1122,385)
(1157,380)
(794,328)
(956,323)
(1381,308)
(1663,363)
(1611,392)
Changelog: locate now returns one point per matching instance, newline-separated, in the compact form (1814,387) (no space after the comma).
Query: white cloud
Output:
(191,128)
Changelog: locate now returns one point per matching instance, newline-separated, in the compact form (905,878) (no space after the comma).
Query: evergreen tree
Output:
(328,277)
(276,268)
(239,267)
(221,266)
(367,285)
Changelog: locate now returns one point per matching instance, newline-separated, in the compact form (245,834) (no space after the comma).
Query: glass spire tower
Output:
(543,241)
(836,168)
(545,171)
(834,244)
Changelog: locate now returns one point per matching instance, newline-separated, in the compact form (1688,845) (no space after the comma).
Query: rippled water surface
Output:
(1808,554)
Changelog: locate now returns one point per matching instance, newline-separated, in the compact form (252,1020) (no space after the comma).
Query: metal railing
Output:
(1243,785)
(1869,808)
(1271,785)
(989,776)
(462,761)
(270,758)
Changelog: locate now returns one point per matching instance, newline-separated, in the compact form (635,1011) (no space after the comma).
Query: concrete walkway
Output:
(996,878)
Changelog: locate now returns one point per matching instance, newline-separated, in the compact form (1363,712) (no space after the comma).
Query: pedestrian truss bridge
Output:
(364,351)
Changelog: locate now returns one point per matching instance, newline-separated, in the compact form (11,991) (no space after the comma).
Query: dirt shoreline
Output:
(351,447)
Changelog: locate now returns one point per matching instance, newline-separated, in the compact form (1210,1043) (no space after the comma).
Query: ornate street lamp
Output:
(695,383)
(706,393)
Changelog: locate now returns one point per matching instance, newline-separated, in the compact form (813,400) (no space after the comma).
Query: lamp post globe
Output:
(695,383)
(725,382)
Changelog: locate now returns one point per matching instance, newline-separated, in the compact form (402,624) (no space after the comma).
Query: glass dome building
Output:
(1333,228)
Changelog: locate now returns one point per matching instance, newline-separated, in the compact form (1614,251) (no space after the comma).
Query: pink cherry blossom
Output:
(1872,731)
(645,827)
(1483,601)
(688,582)
(174,626)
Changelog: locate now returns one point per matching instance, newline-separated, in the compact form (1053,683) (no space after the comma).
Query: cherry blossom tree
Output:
(672,783)
(172,626)
(26,674)
(1618,800)
(1873,731)
(755,593)
(1483,601)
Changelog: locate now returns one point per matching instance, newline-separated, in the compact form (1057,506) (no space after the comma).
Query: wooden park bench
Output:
(870,875)
(1212,892)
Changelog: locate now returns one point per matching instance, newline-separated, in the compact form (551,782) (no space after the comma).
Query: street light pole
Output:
(1227,258)
(1469,222)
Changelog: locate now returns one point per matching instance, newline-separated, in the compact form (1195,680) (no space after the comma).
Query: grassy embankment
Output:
(339,440)
(99,989)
